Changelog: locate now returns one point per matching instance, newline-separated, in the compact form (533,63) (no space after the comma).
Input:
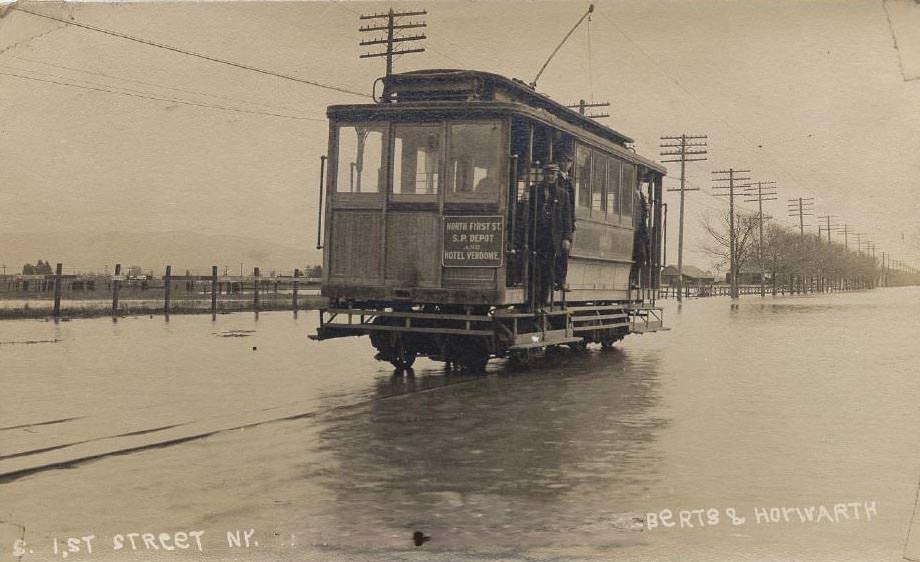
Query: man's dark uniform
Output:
(640,239)
(554,223)
(562,263)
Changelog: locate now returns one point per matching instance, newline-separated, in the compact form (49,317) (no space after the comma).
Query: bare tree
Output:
(720,239)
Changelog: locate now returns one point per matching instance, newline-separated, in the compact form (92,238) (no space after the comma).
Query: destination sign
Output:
(473,241)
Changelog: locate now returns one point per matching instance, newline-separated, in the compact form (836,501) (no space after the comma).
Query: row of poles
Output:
(738,183)
(167,289)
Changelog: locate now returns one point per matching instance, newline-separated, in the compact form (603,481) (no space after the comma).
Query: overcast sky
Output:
(813,95)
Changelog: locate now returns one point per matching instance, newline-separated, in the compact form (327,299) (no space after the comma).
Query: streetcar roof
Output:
(422,87)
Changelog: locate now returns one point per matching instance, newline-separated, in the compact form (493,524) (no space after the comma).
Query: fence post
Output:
(296,286)
(116,284)
(57,289)
(214,289)
(167,286)
(255,293)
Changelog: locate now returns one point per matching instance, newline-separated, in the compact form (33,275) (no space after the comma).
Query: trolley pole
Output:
(391,28)
(732,176)
(683,149)
(801,207)
(760,197)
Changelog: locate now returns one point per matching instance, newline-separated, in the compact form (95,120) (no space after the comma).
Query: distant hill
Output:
(183,250)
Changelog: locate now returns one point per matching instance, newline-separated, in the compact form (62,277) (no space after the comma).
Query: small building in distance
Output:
(693,276)
(749,275)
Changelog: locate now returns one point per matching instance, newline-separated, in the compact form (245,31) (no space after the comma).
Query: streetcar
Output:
(424,221)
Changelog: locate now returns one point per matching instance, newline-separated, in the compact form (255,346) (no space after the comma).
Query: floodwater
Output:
(803,403)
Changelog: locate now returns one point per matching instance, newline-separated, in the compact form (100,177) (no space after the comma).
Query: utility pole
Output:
(846,235)
(392,27)
(885,268)
(827,227)
(664,261)
(581,106)
(683,149)
(760,197)
(858,236)
(802,207)
(732,176)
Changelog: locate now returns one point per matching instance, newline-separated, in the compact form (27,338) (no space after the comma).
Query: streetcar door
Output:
(356,200)
(412,215)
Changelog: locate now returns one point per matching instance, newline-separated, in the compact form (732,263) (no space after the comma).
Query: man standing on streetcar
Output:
(566,164)
(554,230)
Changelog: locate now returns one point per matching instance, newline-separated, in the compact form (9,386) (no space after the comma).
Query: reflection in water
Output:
(560,448)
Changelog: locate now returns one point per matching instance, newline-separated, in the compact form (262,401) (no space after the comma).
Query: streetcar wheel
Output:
(608,341)
(470,354)
(579,346)
(474,365)
(521,358)
(403,363)
(392,347)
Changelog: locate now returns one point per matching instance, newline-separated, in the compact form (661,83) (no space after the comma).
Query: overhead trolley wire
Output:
(157,98)
(732,129)
(30,39)
(194,54)
(155,85)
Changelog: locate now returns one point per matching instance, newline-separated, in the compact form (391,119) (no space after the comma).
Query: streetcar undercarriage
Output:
(468,336)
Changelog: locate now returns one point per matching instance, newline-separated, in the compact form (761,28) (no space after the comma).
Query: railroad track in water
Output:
(24,461)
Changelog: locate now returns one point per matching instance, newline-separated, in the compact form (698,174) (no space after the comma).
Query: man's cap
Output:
(551,168)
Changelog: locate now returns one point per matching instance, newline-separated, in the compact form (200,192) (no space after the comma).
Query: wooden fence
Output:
(118,294)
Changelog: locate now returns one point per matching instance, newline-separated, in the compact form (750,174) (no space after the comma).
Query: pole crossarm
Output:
(684,152)
(686,160)
(687,137)
(413,25)
(393,53)
(391,13)
(582,105)
(395,40)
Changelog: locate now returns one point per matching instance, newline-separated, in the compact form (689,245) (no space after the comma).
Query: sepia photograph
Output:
(460,281)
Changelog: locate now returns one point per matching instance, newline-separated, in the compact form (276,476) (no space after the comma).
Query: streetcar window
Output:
(628,191)
(613,190)
(360,159)
(598,175)
(473,159)
(582,177)
(416,159)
